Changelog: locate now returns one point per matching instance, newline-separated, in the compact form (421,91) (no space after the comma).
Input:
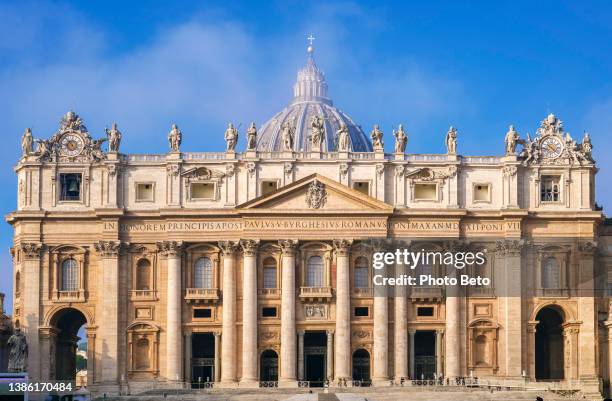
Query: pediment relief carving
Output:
(202,174)
(429,174)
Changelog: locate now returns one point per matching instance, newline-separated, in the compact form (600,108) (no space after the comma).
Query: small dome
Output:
(309,100)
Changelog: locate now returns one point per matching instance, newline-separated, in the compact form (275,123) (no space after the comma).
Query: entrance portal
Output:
(268,366)
(202,358)
(361,367)
(315,350)
(67,322)
(424,355)
(549,345)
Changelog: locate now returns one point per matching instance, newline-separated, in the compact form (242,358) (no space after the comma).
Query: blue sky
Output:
(479,66)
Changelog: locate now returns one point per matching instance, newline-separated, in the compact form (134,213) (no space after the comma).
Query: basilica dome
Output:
(310,99)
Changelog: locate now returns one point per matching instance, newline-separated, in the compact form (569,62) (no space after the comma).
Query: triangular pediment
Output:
(316,193)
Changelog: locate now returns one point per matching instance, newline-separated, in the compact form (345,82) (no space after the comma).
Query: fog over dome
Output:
(309,99)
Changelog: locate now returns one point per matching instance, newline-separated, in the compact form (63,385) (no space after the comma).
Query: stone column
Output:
(330,355)
(188,353)
(174,336)
(30,277)
(217,356)
(288,346)
(508,253)
(531,333)
(439,370)
(109,322)
(400,330)
(381,340)
(228,346)
(301,354)
(342,366)
(412,373)
(249,313)
(587,310)
(452,335)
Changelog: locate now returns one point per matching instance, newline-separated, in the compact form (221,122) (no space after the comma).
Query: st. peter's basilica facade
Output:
(253,267)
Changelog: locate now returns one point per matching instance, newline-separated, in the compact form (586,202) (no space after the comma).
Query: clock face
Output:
(72,144)
(551,147)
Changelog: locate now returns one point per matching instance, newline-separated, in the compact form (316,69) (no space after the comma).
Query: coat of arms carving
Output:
(316,197)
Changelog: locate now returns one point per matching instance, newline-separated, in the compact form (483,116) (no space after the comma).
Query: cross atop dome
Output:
(310,39)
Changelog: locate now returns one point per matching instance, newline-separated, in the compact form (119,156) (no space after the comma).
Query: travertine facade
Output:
(255,267)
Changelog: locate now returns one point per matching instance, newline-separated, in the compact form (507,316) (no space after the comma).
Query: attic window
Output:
(425,192)
(202,190)
(144,192)
(362,186)
(482,193)
(268,186)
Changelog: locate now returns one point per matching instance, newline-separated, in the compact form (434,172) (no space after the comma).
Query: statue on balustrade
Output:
(252,137)
(401,139)
(451,141)
(377,139)
(344,138)
(18,354)
(512,139)
(231,137)
(317,132)
(287,135)
(114,138)
(27,141)
(175,137)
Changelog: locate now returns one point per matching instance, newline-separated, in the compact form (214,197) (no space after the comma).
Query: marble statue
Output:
(72,122)
(451,141)
(377,139)
(43,149)
(344,138)
(27,142)
(18,354)
(586,147)
(231,137)
(287,133)
(317,131)
(175,137)
(252,137)
(512,138)
(96,149)
(401,139)
(114,138)
(531,151)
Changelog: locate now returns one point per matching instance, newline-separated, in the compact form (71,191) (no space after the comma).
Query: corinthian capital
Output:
(170,248)
(30,250)
(249,246)
(509,247)
(342,246)
(288,246)
(228,247)
(108,248)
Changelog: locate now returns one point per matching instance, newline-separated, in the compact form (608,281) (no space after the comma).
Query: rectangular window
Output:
(482,193)
(144,192)
(202,313)
(269,277)
(426,192)
(361,277)
(549,188)
(268,186)
(268,312)
(202,190)
(70,186)
(426,311)
(362,186)
(362,311)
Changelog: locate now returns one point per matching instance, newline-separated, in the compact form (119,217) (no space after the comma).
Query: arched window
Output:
(141,354)
(361,273)
(314,272)
(143,275)
(269,273)
(550,273)
(69,275)
(203,273)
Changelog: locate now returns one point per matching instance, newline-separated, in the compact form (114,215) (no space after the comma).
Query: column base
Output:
(288,383)
(249,383)
(381,382)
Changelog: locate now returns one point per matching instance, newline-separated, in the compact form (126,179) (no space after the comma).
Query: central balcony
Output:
(269,293)
(315,293)
(426,293)
(201,295)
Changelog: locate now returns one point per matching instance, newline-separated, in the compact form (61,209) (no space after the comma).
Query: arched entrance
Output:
(268,366)
(68,345)
(361,366)
(549,345)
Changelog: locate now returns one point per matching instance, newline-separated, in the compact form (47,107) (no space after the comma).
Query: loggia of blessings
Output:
(428,280)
